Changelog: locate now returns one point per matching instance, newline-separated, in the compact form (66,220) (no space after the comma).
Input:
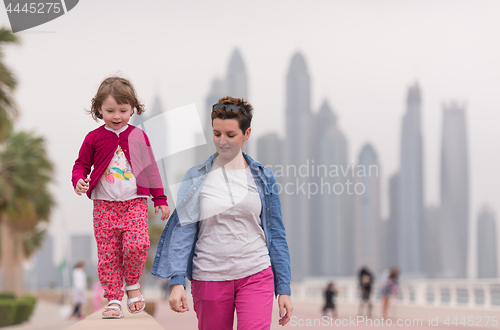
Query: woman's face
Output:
(228,137)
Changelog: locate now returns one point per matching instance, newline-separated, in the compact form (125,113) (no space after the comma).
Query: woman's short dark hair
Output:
(244,116)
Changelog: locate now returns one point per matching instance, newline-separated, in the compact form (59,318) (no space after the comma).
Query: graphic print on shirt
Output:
(118,168)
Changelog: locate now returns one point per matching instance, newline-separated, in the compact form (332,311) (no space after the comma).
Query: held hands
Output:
(178,301)
(82,186)
(165,212)
(284,302)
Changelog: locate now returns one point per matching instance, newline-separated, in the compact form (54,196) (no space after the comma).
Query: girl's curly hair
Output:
(121,90)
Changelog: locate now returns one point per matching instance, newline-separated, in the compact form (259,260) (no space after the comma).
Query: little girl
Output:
(124,175)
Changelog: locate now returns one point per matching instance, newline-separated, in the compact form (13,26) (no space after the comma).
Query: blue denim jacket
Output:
(174,255)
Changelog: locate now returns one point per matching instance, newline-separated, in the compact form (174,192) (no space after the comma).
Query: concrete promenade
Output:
(309,316)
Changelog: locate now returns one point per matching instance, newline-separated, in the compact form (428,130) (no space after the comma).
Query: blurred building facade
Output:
(411,186)
(331,221)
(368,236)
(487,244)
(454,214)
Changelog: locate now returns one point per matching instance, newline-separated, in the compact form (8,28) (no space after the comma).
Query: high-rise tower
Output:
(329,215)
(454,192)
(297,152)
(411,186)
(487,245)
(368,221)
(236,77)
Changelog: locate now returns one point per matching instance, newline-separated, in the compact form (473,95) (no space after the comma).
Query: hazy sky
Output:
(361,55)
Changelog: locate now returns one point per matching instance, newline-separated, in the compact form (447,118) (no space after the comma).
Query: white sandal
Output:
(113,308)
(130,301)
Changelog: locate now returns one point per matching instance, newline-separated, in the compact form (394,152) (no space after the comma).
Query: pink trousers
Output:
(121,232)
(252,296)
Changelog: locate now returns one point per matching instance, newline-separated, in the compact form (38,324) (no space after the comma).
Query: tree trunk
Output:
(8,255)
(18,263)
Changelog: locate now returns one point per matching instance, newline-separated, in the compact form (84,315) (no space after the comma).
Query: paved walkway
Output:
(46,316)
(306,315)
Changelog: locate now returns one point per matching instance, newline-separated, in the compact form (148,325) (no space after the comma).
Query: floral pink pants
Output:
(121,232)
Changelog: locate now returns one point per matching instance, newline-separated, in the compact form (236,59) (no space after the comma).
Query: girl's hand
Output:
(165,211)
(284,302)
(82,186)
(178,301)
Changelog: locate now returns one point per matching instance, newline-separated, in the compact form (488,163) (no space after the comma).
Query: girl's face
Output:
(228,137)
(115,115)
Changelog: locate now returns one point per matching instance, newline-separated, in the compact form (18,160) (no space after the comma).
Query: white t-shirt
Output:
(231,242)
(118,183)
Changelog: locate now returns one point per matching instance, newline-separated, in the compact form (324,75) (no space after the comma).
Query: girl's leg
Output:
(135,243)
(109,250)
(385,305)
(213,302)
(254,301)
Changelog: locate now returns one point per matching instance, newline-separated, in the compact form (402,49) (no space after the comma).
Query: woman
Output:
(390,288)
(227,233)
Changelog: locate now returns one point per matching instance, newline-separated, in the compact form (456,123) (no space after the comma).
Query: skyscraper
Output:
(297,152)
(390,231)
(328,210)
(432,253)
(235,84)
(454,192)
(411,187)
(216,92)
(487,245)
(236,76)
(368,221)
(269,153)
(336,226)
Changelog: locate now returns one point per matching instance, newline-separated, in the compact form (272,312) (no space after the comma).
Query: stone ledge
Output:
(95,321)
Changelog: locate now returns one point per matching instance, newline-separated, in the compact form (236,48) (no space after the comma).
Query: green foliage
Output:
(26,169)
(8,83)
(15,311)
(7,312)
(23,310)
(32,240)
(7,295)
(25,172)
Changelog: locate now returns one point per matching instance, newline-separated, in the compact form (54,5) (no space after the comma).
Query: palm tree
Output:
(24,202)
(25,173)
(7,85)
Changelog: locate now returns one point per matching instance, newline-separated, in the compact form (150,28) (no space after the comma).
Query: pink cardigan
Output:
(98,148)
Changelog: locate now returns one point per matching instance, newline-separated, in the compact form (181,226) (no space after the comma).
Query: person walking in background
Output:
(97,300)
(123,173)
(79,289)
(365,281)
(227,233)
(390,288)
(330,293)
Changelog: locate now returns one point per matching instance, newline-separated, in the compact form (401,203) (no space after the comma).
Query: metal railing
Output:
(477,293)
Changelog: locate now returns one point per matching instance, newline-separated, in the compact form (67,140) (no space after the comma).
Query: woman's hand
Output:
(284,302)
(165,211)
(178,301)
(82,186)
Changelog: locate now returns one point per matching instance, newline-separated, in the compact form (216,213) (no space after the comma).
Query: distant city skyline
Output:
(362,56)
